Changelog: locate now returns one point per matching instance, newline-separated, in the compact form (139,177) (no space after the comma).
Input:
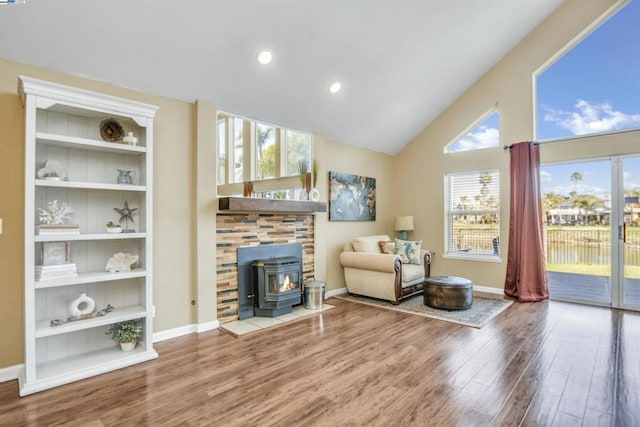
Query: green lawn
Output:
(632,272)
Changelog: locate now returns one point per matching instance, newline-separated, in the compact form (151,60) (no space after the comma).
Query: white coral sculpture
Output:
(121,262)
(55,214)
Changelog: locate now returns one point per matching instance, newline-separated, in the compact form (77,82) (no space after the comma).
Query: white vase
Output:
(114,230)
(314,195)
(130,139)
(83,299)
(127,346)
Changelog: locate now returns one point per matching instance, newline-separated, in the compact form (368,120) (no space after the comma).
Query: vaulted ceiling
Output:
(400,62)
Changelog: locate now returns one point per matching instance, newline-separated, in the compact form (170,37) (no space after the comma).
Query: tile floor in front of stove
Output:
(254,324)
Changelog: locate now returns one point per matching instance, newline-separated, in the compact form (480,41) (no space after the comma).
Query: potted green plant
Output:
(112,227)
(126,333)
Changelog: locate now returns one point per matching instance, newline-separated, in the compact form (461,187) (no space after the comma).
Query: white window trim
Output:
(447,253)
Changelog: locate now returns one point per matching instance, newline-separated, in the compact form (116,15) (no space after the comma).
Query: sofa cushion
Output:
(368,244)
(409,251)
(387,247)
(411,272)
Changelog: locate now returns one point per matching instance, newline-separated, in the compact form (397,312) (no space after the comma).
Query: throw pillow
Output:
(387,247)
(366,245)
(408,251)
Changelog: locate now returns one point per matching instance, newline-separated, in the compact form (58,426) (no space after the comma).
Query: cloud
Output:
(581,189)
(591,118)
(545,176)
(484,137)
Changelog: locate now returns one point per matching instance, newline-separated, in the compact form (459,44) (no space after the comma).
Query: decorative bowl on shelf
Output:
(111,130)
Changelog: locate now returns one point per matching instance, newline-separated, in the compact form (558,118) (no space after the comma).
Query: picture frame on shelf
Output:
(56,253)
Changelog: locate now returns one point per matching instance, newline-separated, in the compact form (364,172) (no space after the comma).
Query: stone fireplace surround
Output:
(235,230)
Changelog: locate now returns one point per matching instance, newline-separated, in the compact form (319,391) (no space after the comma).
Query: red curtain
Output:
(526,276)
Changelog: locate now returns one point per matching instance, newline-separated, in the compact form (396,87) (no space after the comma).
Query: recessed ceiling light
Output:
(265,57)
(335,87)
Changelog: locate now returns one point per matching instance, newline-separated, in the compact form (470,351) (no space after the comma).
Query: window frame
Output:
(249,157)
(449,212)
(559,55)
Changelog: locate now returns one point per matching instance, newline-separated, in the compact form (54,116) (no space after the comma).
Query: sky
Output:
(594,87)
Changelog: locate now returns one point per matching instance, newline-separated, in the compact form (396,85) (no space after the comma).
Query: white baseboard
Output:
(208,326)
(334,292)
(488,289)
(10,373)
(174,333)
(184,330)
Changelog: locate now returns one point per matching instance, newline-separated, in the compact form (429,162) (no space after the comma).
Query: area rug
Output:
(481,312)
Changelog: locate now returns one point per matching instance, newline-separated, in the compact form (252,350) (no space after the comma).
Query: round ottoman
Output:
(448,292)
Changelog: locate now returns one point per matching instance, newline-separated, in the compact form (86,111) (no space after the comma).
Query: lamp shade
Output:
(403,223)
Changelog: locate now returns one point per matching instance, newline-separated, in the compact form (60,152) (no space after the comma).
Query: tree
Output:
(298,148)
(550,201)
(265,137)
(575,177)
(267,164)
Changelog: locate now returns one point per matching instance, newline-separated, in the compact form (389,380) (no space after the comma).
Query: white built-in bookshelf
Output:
(63,124)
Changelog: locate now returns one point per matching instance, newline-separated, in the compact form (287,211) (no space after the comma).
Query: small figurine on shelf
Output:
(126,215)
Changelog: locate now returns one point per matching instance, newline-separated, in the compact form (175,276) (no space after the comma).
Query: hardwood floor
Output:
(536,364)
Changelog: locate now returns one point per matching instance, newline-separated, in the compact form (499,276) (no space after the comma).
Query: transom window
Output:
(484,133)
(257,151)
(473,213)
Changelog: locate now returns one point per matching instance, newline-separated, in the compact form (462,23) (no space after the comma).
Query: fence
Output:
(566,245)
(475,239)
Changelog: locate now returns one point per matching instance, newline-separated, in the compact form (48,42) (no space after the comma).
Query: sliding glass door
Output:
(592,230)
(629,233)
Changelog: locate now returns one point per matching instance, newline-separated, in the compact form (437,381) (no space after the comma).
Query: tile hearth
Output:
(254,324)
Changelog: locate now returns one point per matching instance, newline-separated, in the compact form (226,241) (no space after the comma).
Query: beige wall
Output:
(338,157)
(421,166)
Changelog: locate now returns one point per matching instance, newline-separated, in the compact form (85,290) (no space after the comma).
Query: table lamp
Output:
(403,224)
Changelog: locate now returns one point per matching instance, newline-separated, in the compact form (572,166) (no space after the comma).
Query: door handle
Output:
(622,232)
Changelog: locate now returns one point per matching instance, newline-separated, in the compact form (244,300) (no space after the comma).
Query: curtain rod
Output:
(508,147)
(575,137)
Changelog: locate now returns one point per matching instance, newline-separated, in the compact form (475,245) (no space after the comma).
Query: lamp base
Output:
(403,235)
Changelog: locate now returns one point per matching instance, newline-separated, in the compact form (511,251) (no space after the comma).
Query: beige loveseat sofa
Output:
(369,272)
